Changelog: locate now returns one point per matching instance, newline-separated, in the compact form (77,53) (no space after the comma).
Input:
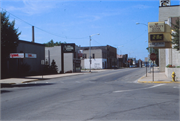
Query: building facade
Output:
(102,57)
(122,60)
(66,57)
(167,14)
(32,53)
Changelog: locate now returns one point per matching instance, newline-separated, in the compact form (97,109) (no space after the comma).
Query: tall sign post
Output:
(159,37)
(146,61)
(153,58)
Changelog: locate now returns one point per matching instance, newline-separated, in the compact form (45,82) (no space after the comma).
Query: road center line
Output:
(140,88)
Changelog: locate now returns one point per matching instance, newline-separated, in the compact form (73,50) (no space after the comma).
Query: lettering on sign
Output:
(157,44)
(156,27)
(30,55)
(16,55)
(68,48)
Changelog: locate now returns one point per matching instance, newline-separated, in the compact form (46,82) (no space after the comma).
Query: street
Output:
(107,95)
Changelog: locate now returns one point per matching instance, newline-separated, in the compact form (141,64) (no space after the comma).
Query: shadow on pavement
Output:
(4,91)
(36,78)
(24,85)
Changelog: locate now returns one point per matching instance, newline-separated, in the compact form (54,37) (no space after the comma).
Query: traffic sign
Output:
(153,56)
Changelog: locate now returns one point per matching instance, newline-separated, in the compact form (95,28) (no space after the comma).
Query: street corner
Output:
(139,80)
(158,82)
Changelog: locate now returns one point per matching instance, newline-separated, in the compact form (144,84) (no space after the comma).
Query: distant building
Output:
(102,57)
(122,60)
(66,57)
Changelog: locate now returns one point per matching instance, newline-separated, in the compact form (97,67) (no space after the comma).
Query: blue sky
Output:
(73,21)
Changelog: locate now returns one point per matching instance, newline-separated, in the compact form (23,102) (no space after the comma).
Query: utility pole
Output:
(90,54)
(33,34)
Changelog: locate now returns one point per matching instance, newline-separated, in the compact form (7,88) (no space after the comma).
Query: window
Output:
(84,55)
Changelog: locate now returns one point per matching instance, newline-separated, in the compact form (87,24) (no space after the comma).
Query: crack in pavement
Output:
(99,117)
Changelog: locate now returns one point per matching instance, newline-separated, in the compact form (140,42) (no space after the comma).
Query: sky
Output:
(73,21)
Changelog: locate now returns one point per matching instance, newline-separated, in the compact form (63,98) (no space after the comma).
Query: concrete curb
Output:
(30,81)
(154,81)
(157,82)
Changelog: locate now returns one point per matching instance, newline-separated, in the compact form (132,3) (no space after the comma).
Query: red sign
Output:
(153,56)
(80,54)
(16,55)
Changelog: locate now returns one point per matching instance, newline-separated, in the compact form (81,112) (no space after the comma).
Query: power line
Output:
(42,29)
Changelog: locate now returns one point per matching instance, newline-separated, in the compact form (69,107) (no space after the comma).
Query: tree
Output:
(50,69)
(53,67)
(175,35)
(9,40)
(52,43)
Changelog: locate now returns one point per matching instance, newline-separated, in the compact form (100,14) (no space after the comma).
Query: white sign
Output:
(146,59)
(30,55)
(156,27)
(42,62)
(157,44)
(68,48)
(16,55)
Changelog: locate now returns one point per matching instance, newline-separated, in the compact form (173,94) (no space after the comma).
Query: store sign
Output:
(68,48)
(156,27)
(157,44)
(16,55)
(30,55)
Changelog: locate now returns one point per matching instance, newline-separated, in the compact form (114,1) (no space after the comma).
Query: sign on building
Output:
(30,55)
(68,48)
(16,55)
(159,35)
(156,27)
(22,55)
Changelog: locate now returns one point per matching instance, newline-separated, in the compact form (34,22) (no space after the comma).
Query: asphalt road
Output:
(108,95)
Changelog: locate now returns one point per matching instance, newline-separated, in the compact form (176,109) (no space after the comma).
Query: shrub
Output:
(170,66)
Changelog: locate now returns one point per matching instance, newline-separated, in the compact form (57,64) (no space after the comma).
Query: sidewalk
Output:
(44,77)
(159,77)
(34,78)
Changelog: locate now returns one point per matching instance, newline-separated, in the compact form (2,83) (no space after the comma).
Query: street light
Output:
(119,49)
(141,23)
(90,50)
(148,46)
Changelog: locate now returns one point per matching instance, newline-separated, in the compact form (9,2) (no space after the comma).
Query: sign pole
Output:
(153,70)
(146,69)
